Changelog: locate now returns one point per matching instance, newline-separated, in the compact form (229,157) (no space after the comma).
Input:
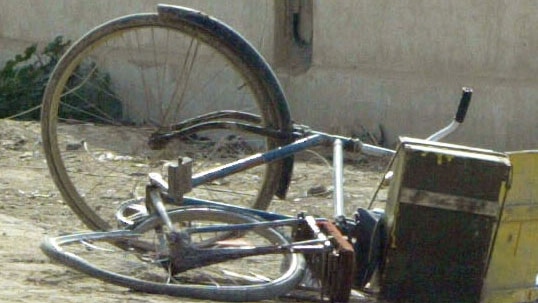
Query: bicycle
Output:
(169,242)
(165,244)
(199,251)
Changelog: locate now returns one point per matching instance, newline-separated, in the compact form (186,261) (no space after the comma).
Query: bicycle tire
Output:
(54,248)
(73,169)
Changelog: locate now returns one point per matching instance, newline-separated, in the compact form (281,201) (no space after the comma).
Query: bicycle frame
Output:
(304,138)
(311,236)
(316,238)
(316,139)
(160,192)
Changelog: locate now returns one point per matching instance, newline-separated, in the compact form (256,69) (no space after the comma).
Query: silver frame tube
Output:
(338,176)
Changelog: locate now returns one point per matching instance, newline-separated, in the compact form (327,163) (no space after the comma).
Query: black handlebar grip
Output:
(464,104)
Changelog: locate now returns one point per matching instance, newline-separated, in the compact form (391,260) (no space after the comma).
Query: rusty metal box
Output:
(442,212)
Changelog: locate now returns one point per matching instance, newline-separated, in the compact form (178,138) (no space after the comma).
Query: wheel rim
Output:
(248,279)
(96,123)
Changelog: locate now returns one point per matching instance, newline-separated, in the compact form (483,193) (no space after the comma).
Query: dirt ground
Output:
(31,208)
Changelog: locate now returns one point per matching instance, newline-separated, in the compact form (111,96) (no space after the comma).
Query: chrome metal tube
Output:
(161,210)
(444,132)
(338,173)
(377,151)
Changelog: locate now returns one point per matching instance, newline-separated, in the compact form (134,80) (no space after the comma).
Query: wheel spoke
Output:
(148,261)
(137,75)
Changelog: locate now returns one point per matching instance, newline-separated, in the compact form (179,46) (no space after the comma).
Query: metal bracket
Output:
(180,178)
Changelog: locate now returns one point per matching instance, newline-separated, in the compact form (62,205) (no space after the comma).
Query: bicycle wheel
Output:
(247,279)
(139,75)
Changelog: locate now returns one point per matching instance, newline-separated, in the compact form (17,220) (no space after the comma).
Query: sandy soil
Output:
(31,208)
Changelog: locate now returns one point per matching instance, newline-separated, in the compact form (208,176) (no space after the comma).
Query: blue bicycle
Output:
(196,104)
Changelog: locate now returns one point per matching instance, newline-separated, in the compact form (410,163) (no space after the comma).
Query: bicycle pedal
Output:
(339,270)
(332,271)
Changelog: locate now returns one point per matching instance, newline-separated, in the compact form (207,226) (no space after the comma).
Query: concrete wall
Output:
(398,64)
(29,21)
(401,64)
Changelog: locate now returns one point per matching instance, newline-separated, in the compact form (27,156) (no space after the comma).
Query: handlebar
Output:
(460,116)
(464,104)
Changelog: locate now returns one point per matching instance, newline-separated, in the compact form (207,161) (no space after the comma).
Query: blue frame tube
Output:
(258,159)
(281,153)
(244,226)
(266,215)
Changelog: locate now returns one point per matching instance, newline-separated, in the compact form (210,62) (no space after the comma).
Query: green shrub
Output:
(24,78)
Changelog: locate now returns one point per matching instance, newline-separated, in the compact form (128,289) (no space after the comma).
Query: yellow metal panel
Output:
(517,295)
(520,213)
(513,269)
(525,178)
